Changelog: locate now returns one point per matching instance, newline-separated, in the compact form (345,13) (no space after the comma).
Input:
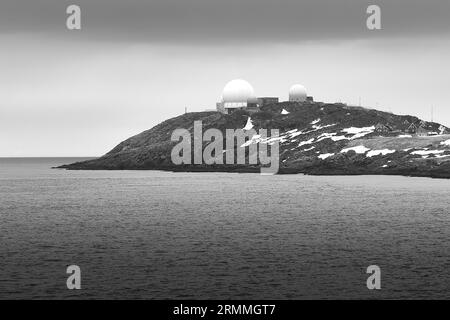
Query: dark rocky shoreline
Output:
(442,174)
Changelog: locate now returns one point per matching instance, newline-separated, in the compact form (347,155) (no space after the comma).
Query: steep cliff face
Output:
(314,139)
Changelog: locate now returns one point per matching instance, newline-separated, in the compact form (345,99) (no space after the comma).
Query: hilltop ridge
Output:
(315,138)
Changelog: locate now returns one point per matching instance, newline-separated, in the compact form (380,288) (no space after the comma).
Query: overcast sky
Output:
(136,63)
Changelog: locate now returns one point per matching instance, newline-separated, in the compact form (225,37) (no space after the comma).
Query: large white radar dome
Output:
(297,93)
(238,91)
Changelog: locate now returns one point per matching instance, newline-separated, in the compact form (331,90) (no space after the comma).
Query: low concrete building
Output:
(263,101)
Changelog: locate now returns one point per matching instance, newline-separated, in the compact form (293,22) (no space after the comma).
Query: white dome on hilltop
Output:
(238,91)
(297,93)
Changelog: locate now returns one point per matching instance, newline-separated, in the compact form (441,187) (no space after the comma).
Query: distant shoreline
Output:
(282,171)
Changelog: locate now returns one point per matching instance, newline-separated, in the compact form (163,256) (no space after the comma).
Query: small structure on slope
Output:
(382,128)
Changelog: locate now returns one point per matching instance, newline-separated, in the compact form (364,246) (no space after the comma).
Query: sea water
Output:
(160,235)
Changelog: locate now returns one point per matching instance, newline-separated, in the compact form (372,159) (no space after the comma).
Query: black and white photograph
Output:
(224,150)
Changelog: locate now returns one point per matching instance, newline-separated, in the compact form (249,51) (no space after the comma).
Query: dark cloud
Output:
(214,21)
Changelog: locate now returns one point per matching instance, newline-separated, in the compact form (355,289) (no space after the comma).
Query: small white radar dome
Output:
(297,93)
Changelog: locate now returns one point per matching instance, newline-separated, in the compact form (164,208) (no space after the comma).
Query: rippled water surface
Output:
(158,235)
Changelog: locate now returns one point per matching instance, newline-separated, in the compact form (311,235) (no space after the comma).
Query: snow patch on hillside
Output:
(339,138)
(325,155)
(325,135)
(249,124)
(303,143)
(295,134)
(383,152)
(357,149)
(255,139)
(427,152)
(354,130)
(319,127)
(359,132)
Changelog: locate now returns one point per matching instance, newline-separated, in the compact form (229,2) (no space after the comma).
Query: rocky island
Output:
(314,138)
